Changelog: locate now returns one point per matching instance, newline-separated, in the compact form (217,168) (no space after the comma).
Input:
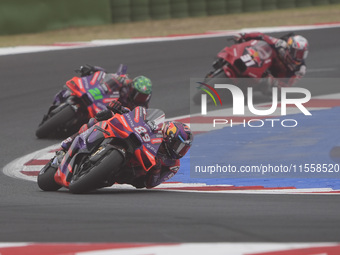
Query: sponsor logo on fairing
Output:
(150,147)
(128,117)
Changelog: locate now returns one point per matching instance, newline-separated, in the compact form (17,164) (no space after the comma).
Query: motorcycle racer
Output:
(289,64)
(132,92)
(177,140)
(82,97)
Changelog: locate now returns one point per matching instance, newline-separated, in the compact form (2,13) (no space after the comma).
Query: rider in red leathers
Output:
(289,65)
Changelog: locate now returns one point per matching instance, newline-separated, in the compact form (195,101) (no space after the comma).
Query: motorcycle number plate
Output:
(248,60)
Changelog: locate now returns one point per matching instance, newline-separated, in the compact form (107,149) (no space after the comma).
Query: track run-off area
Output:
(295,210)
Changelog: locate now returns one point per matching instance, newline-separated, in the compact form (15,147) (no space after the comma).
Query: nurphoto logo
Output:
(238,107)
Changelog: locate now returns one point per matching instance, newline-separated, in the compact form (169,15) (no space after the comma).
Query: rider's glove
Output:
(281,44)
(281,48)
(103,115)
(123,79)
(116,107)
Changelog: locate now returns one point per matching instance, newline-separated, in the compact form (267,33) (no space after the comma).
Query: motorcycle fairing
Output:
(131,126)
(248,59)
(92,90)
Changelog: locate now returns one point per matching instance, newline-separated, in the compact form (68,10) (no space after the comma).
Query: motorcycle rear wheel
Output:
(55,121)
(96,174)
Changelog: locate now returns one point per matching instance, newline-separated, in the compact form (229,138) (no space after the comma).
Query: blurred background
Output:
(47,22)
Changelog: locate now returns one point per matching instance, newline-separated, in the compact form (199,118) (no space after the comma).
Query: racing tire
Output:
(46,180)
(97,174)
(55,121)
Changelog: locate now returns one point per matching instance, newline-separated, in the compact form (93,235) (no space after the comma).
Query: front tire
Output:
(46,180)
(95,175)
(56,119)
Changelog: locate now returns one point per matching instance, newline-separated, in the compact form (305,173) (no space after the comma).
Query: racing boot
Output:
(59,155)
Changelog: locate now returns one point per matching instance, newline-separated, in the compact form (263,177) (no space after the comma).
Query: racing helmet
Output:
(297,47)
(177,138)
(140,90)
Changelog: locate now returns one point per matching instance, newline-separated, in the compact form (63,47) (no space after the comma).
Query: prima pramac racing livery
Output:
(99,156)
(81,99)
(250,59)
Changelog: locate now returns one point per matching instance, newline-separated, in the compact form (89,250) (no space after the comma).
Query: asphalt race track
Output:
(28,84)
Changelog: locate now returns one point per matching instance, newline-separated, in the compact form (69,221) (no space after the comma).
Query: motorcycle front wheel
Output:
(46,180)
(93,175)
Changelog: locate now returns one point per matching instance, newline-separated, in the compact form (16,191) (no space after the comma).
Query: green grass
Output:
(297,16)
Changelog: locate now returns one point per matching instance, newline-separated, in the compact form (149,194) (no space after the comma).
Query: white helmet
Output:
(297,50)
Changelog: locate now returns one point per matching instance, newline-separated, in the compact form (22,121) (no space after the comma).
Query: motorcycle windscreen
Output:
(139,98)
(263,50)
(156,116)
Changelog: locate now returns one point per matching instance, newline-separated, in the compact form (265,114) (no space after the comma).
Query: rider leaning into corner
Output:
(289,65)
(132,92)
(177,140)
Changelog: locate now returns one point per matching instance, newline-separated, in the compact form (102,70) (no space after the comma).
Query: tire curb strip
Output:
(169,248)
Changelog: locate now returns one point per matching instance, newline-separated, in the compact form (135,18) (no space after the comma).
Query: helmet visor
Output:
(180,147)
(299,55)
(139,98)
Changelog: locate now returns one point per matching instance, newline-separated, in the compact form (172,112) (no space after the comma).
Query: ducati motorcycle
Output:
(81,99)
(250,59)
(100,155)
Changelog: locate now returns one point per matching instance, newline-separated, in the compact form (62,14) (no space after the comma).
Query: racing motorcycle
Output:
(250,59)
(98,156)
(79,100)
